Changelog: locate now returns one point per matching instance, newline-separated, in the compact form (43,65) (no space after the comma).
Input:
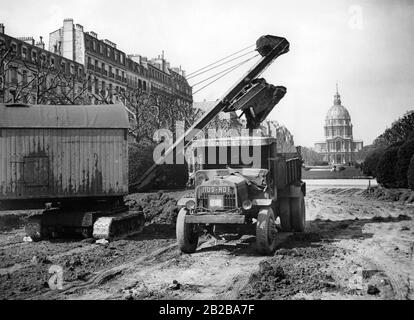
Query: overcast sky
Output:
(367,46)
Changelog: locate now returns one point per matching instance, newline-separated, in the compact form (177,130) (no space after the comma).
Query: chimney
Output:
(1,28)
(41,44)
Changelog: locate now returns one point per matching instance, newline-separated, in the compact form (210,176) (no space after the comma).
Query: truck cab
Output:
(243,181)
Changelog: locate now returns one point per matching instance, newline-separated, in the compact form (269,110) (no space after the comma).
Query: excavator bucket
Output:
(256,101)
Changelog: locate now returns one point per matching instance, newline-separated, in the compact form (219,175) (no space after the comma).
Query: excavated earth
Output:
(358,244)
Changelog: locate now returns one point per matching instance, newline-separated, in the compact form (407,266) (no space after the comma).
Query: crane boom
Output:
(269,47)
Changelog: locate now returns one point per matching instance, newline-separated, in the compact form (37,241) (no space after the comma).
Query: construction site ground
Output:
(357,245)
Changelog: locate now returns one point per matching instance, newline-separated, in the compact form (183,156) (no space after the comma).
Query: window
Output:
(89,84)
(100,48)
(122,58)
(72,69)
(94,45)
(24,52)
(108,52)
(24,77)
(13,75)
(14,47)
(34,55)
(145,85)
(52,61)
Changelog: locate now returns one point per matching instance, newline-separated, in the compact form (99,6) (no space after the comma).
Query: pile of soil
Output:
(379,193)
(157,207)
(298,268)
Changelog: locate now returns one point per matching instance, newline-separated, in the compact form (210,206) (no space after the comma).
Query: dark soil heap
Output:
(158,208)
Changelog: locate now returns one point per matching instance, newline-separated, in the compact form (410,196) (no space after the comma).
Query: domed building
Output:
(339,145)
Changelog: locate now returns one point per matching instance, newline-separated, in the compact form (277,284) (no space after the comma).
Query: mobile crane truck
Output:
(231,195)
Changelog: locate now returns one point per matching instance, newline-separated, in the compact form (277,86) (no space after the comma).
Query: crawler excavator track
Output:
(118,226)
(114,223)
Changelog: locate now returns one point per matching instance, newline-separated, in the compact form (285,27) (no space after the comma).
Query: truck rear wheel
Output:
(266,231)
(298,216)
(284,214)
(187,238)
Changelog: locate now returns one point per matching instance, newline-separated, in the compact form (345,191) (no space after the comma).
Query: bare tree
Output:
(39,81)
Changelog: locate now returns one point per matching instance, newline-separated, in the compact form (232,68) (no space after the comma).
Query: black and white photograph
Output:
(212,151)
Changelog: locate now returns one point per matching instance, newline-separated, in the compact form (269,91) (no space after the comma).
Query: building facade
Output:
(339,146)
(111,70)
(31,74)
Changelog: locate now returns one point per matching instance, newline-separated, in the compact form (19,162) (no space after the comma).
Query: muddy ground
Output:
(358,245)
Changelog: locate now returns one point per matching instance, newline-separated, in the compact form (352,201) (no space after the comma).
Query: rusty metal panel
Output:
(62,163)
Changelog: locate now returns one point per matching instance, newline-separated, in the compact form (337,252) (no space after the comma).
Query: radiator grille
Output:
(229,200)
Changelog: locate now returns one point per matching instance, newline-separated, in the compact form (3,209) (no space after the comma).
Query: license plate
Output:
(215,201)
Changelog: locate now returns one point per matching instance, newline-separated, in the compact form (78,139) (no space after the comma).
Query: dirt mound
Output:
(379,193)
(157,207)
(289,272)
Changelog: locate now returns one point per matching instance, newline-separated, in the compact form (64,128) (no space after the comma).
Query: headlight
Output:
(190,205)
(247,204)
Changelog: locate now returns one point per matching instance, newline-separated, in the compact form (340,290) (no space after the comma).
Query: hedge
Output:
(139,160)
(167,177)
(410,174)
(386,168)
(405,153)
(371,162)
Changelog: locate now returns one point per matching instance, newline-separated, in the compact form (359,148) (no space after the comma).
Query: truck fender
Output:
(183,201)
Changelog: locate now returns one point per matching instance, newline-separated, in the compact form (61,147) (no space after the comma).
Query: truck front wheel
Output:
(266,231)
(187,238)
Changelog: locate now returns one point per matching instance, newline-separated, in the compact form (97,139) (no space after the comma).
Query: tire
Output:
(284,214)
(187,239)
(266,231)
(297,213)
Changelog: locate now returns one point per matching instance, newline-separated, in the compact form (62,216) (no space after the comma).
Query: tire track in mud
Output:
(103,276)
(79,264)
(218,270)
